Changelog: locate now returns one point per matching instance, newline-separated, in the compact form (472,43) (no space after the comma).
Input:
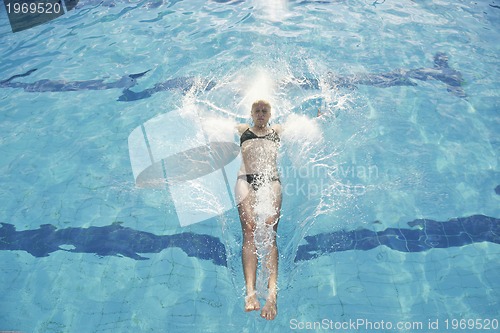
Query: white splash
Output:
(261,86)
(302,138)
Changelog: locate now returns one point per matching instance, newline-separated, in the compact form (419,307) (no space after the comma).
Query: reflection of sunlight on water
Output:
(275,10)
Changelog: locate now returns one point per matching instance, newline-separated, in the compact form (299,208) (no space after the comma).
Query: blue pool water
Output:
(390,218)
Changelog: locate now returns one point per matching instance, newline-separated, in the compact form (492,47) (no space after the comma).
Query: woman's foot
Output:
(269,310)
(251,302)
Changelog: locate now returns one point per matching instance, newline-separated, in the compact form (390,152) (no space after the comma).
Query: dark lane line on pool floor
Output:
(117,240)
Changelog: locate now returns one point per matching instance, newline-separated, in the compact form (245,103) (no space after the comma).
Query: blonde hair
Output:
(261,101)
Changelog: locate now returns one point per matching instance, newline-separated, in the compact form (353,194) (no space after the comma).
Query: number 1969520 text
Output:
(34,8)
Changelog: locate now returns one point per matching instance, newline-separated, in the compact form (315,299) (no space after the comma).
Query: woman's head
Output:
(261,113)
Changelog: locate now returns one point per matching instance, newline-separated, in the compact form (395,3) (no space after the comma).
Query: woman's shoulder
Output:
(242,128)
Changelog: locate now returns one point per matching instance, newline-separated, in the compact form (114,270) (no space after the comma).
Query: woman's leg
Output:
(249,252)
(269,310)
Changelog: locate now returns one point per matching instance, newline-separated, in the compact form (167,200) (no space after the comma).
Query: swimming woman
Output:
(258,182)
